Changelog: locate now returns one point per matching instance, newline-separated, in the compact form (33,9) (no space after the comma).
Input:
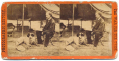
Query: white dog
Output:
(26,41)
(78,40)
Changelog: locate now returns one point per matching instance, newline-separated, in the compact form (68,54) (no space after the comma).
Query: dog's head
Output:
(82,37)
(81,34)
(32,39)
(30,35)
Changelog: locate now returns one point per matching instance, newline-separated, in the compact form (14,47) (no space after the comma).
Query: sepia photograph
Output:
(86,29)
(59,29)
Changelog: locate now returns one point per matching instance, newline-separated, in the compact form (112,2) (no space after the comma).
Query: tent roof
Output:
(33,11)
(83,11)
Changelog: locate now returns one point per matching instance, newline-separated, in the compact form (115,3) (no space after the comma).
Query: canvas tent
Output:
(87,12)
(84,11)
(15,11)
(33,11)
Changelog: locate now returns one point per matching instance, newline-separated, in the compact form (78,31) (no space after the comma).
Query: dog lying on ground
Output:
(78,40)
(24,43)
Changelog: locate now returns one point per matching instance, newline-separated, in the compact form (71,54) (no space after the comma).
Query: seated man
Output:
(98,29)
(49,30)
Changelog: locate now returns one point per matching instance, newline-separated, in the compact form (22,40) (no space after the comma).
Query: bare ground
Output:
(59,49)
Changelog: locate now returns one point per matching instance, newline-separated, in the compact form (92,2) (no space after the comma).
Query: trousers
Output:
(39,34)
(88,34)
(48,36)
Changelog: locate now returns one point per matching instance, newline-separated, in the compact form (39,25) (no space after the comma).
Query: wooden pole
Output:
(23,22)
(30,24)
(17,24)
(81,23)
(81,20)
(73,22)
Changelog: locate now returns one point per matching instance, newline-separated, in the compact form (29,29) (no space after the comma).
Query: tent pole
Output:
(73,22)
(17,24)
(30,24)
(23,21)
(81,20)
(81,23)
